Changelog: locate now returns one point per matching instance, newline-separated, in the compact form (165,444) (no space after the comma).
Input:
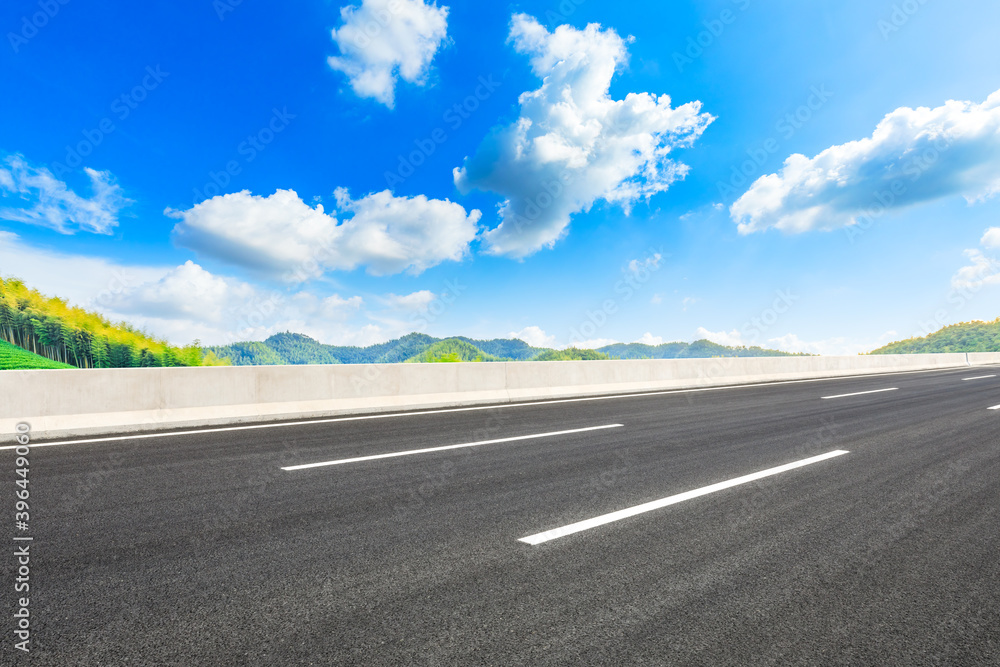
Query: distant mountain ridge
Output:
(700,349)
(297,349)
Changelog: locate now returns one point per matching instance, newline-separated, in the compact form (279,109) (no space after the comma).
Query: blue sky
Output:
(224,170)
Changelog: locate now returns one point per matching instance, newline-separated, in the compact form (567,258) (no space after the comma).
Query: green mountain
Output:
(700,349)
(393,352)
(13,357)
(505,348)
(248,354)
(964,337)
(290,348)
(451,350)
(299,350)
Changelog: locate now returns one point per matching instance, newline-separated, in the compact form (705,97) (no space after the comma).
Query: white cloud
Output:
(416,302)
(829,347)
(189,302)
(83,281)
(991,239)
(732,338)
(639,266)
(656,300)
(688,301)
(534,336)
(282,236)
(792,343)
(914,155)
(333,308)
(592,344)
(650,339)
(837,346)
(983,269)
(186,302)
(186,292)
(574,145)
(33,195)
(337,307)
(383,40)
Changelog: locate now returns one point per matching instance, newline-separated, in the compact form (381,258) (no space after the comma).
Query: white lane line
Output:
(556,533)
(446,447)
(861,393)
(981,377)
(496,406)
(995,407)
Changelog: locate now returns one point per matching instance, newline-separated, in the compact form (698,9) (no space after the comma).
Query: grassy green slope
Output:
(13,357)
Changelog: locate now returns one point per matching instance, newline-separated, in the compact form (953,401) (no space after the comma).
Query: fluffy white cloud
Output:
(282,236)
(829,347)
(983,269)
(574,145)
(186,292)
(33,195)
(792,343)
(337,307)
(638,267)
(383,40)
(416,302)
(534,336)
(186,302)
(89,282)
(189,302)
(650,339)
(832,346)
(991,239)
(592,344)
(914,155)
(731,338)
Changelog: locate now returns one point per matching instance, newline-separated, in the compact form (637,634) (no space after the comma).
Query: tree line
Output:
(975,336)
(49,327)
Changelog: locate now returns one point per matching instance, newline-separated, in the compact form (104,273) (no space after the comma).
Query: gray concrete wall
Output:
(65,403)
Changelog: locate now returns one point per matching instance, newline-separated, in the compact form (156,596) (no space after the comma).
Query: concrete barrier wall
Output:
(984,358)
(65,403)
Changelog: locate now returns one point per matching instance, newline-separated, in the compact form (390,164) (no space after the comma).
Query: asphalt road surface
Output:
(879,546)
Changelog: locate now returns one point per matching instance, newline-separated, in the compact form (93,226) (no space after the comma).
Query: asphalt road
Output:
(201,550)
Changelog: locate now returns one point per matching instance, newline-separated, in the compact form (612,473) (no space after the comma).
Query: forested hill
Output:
(451,350)
(964,337)
(50,328)
(294,349)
